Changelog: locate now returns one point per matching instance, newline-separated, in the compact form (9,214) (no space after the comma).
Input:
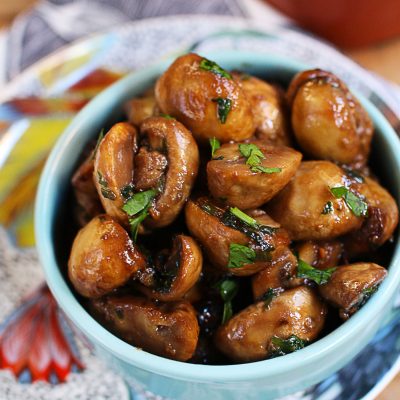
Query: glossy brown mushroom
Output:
(168,330)
(247,335)
(113,168)
(328,121)
(350,286)
(217,229)
(192,89)
(300,206)
(171,279)
(231,179)
(140,108)
(102,258)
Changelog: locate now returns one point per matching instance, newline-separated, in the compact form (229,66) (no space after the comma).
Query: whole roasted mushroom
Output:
(169,330)
(247,175)
(254,333)
(206,99)
(102,258)
(328,121)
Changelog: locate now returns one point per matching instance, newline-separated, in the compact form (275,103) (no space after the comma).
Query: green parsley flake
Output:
(328,208)
(253,154)
(223,107)
(269,295)
(265,170)
(240,255)
(356,204)
(99,139)
(280,347)
(243,216)
(228,289)
(167,116)
(215,145)
(213,67)
(105,190)
(305,270)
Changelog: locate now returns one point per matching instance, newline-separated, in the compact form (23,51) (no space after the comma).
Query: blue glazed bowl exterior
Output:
(264,379)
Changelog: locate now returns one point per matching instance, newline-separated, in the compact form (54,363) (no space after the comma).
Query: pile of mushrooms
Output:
(271,231)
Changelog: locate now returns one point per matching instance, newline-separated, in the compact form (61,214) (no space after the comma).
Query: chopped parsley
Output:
(127,191)
(319,276)
(105,190)
(280,347)
(99,139)
(243,216)
(215,145)
(268,296)
(137,209)
(328,208)
(356,204)
(223,107)
(228,289)
(213,67)
(240,255)
(167,116)
(253,158)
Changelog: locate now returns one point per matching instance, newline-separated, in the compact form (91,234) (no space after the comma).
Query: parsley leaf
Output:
(356,204)
(223,107)
(253,154)
(243,216)
(265,170)
(268,296)
(138,202)
(280,347)
(105,190)
(228,289)
(167,116)
(213,67)
(127,191)
(328,208)
(99,139)
(305,270)
(240,255)
(215,145)
(135,223)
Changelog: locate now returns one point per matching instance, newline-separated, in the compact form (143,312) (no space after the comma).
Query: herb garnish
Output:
(167,116)
(356,204)
(99,139)
(268,296)
(243,216)
(105,190)
(240,255)
(280,347)
(215,145)
(213,67)
(127,191)
(328,208)
(228,289)
(319,276)
(223,107)
(137,208)
(253,158)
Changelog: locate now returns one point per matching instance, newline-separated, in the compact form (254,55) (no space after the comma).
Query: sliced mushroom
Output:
(168,330)
(168,158)
(141,108)
(232,179)
(113,168)
(307,208)
(267,103)
(206,99)
(85,191)
(248,335)
(321,254)
(102,258)
(172,278)
(279,273)
(378,227)
(328,121)
(217,229)
(350,286)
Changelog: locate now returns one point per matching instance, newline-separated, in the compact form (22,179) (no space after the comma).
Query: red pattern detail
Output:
(34,340)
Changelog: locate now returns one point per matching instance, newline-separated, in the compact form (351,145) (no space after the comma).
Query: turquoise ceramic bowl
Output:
(264,379)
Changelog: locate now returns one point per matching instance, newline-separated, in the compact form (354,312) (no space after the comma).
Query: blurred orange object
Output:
(347,23)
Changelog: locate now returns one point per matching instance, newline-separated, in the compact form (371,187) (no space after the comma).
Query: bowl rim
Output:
(318,350)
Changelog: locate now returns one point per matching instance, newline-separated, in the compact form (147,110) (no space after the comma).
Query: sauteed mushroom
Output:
(316,203)
(249,335)
(141,108)
(248,175)
(231,244)
(350,286)
(206,99)
(322,254)
(102,258)
(168,330)
(174,274)
(328,121)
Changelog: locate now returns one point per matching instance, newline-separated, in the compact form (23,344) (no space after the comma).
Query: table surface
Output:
(382,58)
